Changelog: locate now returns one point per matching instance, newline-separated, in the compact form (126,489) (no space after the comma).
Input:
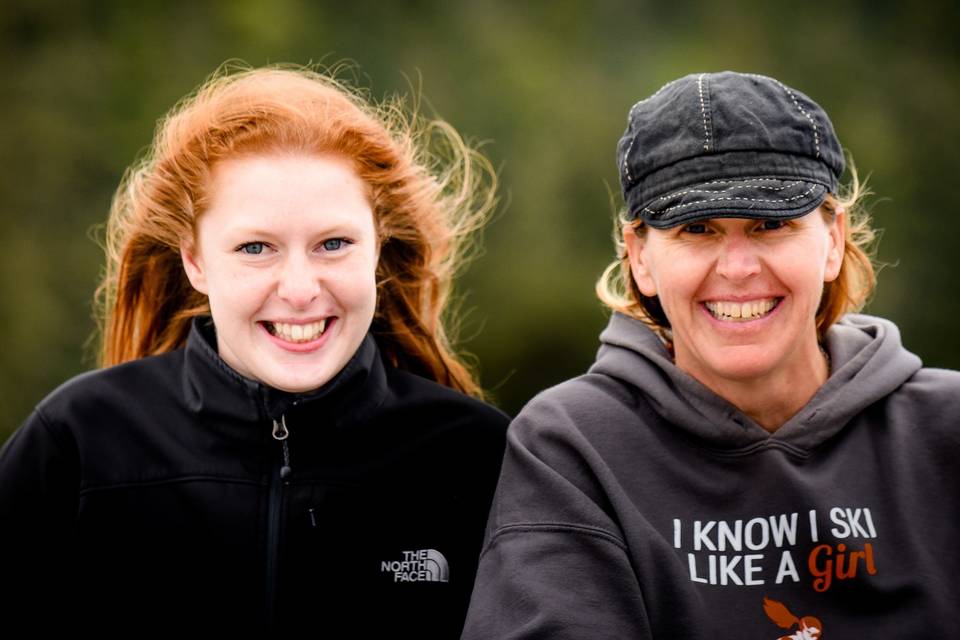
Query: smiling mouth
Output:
(296,333)
(741,311)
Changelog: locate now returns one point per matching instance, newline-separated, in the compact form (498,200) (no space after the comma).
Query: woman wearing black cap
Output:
(740,461)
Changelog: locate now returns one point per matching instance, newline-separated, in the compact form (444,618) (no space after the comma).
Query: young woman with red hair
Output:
(282,436)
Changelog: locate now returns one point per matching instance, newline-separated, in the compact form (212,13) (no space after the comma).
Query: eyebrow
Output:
(335,229)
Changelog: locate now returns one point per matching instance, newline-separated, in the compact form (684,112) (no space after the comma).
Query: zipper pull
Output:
(280,428)
(280,432)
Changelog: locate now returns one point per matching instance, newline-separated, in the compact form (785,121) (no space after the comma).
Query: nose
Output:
(738,259)
(298,283)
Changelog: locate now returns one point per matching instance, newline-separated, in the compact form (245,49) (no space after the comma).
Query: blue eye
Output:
(772,225)
(251,248)
(333,244)
(695,227)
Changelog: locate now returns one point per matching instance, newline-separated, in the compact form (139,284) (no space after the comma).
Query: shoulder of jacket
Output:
(589,408)
(409,391)
(92,389)
(578,397)
(939,387)
(937,379)
(932,390)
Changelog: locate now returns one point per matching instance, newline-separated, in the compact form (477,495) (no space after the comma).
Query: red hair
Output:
(426,205)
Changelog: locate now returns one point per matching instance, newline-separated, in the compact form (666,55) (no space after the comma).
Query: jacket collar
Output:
(212,388)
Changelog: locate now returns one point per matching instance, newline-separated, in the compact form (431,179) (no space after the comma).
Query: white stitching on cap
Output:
(736,186)
(816,134)
(690,204)
(733,180)
(703,113)
(626,154)
(813,123)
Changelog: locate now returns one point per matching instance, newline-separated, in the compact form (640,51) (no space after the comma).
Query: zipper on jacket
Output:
(280,433)
(277,480)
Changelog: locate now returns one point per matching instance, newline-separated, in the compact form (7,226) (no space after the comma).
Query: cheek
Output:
(803,275)
(238,289)
(356,285)
(678,291)
(680,275)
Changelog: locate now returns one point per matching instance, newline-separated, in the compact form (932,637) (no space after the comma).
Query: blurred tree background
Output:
(546,86)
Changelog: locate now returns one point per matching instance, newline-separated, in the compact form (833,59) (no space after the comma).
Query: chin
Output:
(742,374)
(740,366)
(296,383)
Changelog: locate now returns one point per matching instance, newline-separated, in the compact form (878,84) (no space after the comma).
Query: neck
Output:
(773,399)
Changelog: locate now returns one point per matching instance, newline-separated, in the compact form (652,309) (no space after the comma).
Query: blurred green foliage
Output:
(546,86)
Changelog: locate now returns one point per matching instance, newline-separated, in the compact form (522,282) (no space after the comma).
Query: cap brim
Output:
(757,198)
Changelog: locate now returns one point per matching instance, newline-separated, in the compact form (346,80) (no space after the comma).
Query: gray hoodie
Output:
(636,503)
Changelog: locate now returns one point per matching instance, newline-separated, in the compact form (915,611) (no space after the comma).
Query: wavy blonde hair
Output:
(851,290)
(430,192)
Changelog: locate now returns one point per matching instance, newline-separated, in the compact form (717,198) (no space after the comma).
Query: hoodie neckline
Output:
(868,363)
(215,389)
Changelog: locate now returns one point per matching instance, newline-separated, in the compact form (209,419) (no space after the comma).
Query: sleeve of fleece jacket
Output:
(39,482)
(554,565)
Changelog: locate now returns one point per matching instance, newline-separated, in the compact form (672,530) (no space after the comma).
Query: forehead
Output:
(278,185)
(283,171)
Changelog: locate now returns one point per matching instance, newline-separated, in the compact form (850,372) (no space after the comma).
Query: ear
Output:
(193,265)
(837,229)
(637,254)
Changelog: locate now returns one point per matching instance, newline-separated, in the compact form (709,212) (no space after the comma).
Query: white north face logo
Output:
(425,565)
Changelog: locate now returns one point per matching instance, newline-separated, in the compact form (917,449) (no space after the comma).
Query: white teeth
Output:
(741,311)
(298,332)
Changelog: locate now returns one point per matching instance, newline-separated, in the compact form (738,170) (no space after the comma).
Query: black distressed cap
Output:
(726,145)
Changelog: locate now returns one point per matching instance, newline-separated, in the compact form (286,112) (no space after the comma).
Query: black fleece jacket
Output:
(155,497)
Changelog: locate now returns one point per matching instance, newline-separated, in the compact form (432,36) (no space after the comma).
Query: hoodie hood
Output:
(868,362)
